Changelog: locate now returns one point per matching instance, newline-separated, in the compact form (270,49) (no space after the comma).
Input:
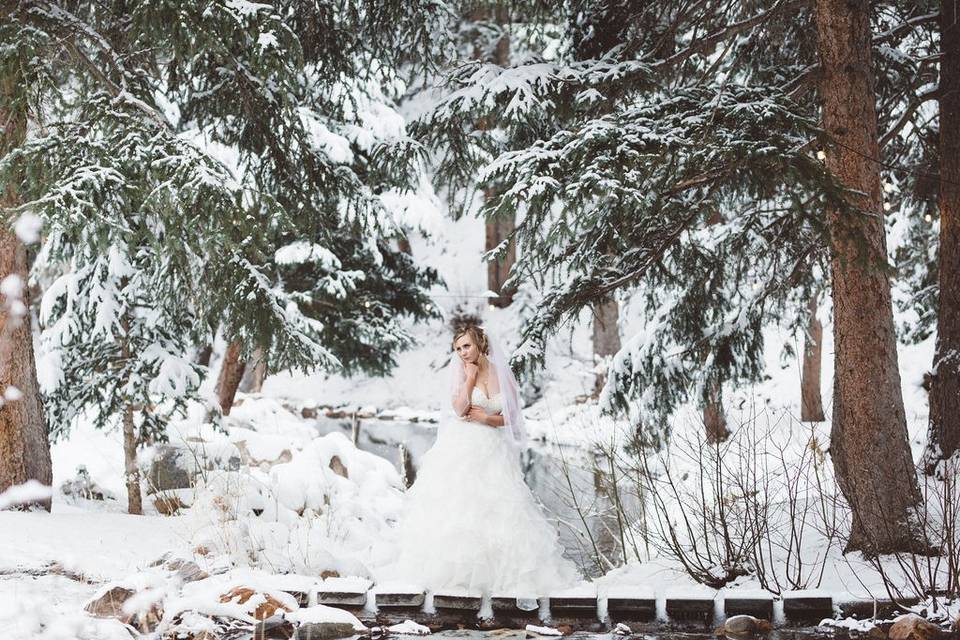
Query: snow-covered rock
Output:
(409,628)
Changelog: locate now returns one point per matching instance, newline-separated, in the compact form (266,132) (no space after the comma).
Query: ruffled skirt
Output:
(470,522)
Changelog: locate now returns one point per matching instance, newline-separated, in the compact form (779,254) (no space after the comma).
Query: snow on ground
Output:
(285,508)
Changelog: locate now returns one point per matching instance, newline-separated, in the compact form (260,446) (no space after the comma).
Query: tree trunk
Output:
(869,446)
(134,499)
(499,228)
(606,336)
(498,270)
(24,448)
(203,355)
(130,441)
(231,372)
(714,421)
(944,435)
(811,406)
(254,373)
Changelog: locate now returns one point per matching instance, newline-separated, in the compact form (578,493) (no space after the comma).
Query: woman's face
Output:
(467,349)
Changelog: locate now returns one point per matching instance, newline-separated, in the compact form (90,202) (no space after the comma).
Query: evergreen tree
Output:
(24,449)
(638,163)
(868,439)
(944,434)
(212,166)
(682,162)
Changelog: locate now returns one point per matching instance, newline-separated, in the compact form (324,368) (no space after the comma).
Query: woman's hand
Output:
(472,372)
(476,414)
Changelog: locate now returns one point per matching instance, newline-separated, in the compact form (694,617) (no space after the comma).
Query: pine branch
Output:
(906,26)
(707,43)
(911,108)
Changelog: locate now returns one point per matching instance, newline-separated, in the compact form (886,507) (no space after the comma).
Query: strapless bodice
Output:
(490,405)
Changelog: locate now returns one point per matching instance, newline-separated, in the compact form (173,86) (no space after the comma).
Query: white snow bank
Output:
(297,502)
(101,546)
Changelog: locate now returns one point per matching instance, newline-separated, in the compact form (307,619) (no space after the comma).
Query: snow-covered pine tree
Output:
(868,437)
(619,152)
(212,166)
(686,114)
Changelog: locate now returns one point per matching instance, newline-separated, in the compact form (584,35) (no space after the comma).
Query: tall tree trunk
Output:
(24,447)
(869,446)
(254,373)
(499,228)
(498,270)
(811,405)
(134,498)
(231,372)
(714,420)
(130,441)
(606,336)
(944,435)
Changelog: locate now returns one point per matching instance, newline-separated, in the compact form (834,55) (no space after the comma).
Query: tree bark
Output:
(203,355)
(254,373)
(606,336)
(714,420)
(134,498)
(869,446)
(944,421)
(130,440)
(811,405)
(498,270)
(231,372)
(24,447)
(498,229)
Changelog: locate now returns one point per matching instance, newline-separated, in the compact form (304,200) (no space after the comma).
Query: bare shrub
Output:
(760,503)
(930,573)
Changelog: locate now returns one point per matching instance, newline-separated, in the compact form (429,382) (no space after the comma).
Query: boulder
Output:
(172,467)
(325,630)
(338,467)
(168,505)
(274,628)
(913,627)
(875,633)
(187,570)
(248,459)
(191,625)
(265,609)
(110,604)
(744,626)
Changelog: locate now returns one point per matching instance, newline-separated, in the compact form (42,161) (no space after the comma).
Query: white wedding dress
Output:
(470,522)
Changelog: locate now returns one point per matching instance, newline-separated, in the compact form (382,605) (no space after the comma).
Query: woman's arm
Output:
(476,414)
(461,399)
(495,420)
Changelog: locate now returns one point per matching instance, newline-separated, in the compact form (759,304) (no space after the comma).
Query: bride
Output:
(469,521)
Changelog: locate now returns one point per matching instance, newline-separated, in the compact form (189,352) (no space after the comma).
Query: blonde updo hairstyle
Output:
(475,332)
